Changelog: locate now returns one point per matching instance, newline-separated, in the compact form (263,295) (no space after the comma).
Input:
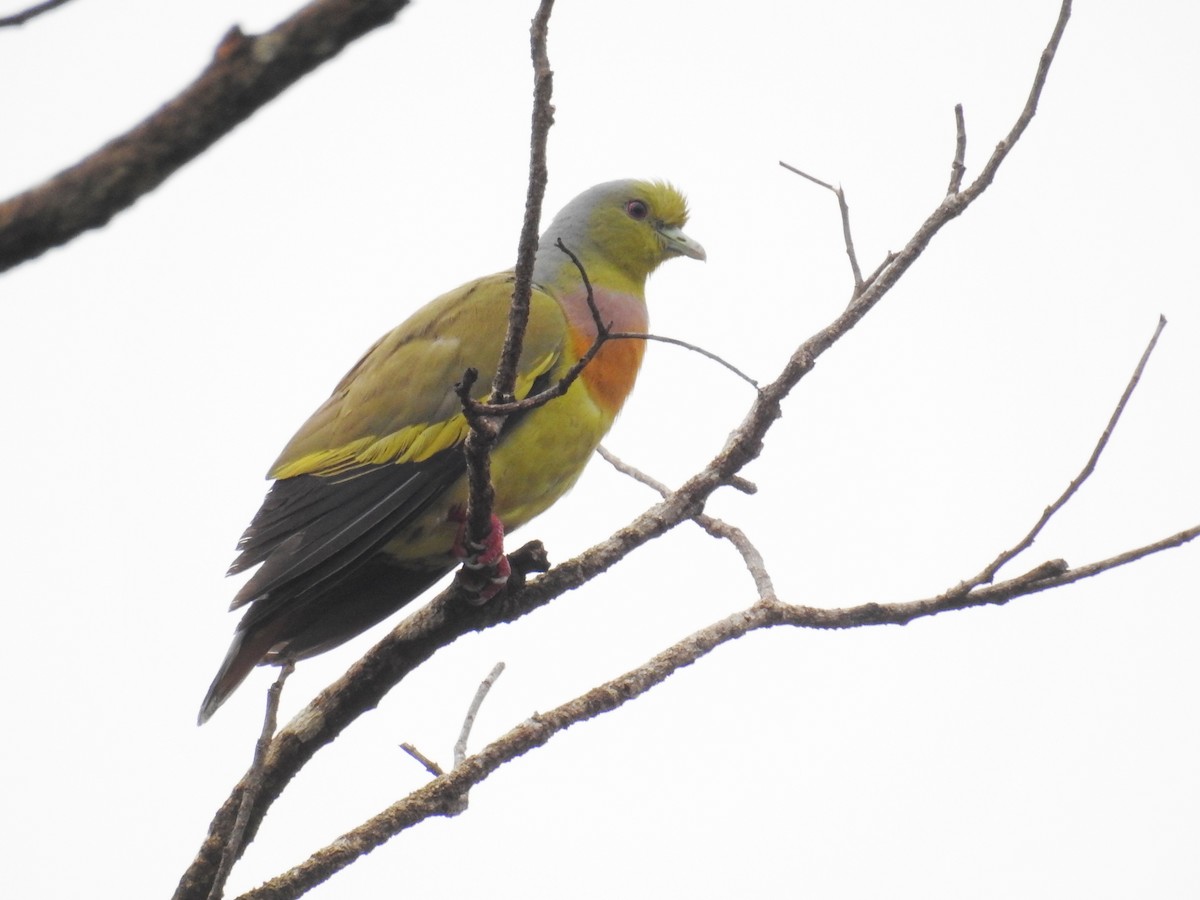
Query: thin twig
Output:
(953,205)
(1028,111)
(253,783)
(844,209)
(478,412)
(460,746)
(958,168)
(428,764)
(464,735)
(718,528)
(602,327)
(887,261)
(33,12)
(560,387)
(707,354)
(989,572)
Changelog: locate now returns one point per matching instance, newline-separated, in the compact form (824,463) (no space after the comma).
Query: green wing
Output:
(397,405)
(386,444)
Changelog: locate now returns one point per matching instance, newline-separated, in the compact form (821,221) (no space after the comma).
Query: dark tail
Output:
(364,598)
(247,651)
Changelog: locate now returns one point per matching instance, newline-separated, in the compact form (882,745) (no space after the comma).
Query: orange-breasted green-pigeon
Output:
(364,511)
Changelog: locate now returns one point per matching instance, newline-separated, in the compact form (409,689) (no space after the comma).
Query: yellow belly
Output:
(533,466)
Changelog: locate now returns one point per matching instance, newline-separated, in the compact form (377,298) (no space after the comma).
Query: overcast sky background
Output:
(151,371)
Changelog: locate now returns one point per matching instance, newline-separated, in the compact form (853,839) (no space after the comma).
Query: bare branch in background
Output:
(485,686)
(844,209)
(25,15)
(989,572)
(246,73)
(719,529)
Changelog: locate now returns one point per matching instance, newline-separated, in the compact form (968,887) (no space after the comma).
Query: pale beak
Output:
(679,244)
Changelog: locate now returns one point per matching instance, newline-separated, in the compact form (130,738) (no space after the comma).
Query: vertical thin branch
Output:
(464,735)
(958,168)
(485,430)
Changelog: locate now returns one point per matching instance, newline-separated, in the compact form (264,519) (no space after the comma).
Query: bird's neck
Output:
(609,377)
(555,270)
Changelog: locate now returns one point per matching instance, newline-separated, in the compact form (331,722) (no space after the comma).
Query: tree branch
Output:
(448,616)
(958,167)
(247,72)
(432,799)
(485,427)
(844,210)
(464,734)
(253,780)
(989,572)
(20,18)
(719,529)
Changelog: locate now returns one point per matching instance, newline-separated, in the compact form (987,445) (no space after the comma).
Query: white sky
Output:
(152,370)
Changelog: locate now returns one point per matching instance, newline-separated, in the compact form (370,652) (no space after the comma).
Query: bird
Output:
(365,509)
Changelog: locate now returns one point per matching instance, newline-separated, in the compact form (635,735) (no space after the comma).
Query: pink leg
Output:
(488,555)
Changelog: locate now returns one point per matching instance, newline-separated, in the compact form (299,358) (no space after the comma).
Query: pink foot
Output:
(488,555)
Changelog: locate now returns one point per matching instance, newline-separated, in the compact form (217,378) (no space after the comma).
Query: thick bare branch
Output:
(247,72)
(432,799)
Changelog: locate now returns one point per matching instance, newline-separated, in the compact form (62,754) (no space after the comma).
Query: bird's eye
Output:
(637,209)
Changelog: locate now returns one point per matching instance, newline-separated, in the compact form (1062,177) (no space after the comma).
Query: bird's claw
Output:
(478,557)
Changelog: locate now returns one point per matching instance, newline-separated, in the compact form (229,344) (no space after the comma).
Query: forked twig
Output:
(844,209)
(464,734)
(717,528)
(989,572)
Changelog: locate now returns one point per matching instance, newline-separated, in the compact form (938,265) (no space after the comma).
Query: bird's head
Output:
(631,226)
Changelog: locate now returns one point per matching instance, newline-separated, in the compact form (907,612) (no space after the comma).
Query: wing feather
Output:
(384,446)
(398,403)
